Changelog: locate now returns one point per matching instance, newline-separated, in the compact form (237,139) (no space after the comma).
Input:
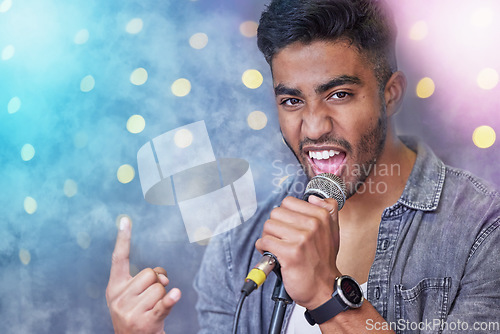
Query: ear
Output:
(394,92)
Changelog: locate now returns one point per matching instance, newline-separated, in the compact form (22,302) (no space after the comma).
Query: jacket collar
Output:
(425,184)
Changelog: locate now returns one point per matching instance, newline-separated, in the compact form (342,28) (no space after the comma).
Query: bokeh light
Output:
(252,79)
(87,84)
(249,28)
(70,188)
(82,36)
(198,41)
(8,52)
(482,17)
(484,136)
(183,138)
(80,139)
(14,105)
(134,26)
(125,173)
(203,235)
(139,76)
(419,31)
(136,124)
(24,256)
(5,6)
(27,152)
(181,87)
(487,79)
(30,205)
(425,88)
(83,240)
(257,120)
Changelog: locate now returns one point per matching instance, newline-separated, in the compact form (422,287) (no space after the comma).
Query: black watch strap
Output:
(326,311)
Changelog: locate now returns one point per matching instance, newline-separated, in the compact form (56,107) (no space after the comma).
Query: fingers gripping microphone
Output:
(327,185)
(324,186)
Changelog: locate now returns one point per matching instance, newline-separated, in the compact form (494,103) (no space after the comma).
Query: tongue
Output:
(330,165)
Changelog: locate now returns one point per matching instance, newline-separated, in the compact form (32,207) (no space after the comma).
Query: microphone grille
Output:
(327,185)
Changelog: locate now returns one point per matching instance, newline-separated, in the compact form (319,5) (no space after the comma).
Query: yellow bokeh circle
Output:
(252,79)
(183,138)
(139,76)
(203,235)
(80,139)
(484,136)
(24,256)
(70,188)
(87,84)
(257,120)
(198,41)
(14,105)
(8,52)
(425,88)
(27,152)
(134,26)
(81,36)
(249,28)
(125,173)
(83,240)
(30,205)
(181,87)
(419,31)
(136,124)
(487,79)
(5,6)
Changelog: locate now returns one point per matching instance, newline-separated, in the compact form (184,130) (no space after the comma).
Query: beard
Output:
(362,157)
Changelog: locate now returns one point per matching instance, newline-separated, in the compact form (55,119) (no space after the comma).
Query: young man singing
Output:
(424,251)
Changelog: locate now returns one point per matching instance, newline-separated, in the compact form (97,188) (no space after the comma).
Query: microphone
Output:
(325,185)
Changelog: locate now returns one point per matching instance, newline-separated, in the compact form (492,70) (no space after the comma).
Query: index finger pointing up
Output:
(120,265)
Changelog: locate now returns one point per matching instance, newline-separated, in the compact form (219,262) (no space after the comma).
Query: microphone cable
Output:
(247,288)
(238,312)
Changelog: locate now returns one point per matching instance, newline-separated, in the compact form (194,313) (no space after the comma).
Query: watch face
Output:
(351,292)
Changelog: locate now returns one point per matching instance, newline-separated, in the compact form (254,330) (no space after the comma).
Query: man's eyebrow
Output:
(339,81)
(281,89)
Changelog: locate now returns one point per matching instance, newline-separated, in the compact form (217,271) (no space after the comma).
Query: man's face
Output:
(330,109)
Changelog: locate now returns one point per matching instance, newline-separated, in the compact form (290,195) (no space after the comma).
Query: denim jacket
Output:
(436,267)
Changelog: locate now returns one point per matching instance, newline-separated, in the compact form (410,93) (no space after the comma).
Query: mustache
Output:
(327,140)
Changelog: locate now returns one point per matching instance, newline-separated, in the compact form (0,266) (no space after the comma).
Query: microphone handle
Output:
(281,300)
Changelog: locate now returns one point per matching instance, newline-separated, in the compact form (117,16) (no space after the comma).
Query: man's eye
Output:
(291,102)
(340,95)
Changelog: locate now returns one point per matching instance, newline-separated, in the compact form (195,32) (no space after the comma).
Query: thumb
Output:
(329,204)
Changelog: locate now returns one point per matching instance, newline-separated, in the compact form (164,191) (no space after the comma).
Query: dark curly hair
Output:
(366,24)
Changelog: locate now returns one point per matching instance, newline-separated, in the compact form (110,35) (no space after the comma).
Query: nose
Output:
(316,122)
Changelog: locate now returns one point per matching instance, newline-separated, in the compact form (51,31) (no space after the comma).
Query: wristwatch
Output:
(347,294)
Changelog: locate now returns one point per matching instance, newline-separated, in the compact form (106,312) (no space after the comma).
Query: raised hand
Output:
(137,304)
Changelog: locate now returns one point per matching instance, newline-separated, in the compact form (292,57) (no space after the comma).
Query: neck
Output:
(385,183)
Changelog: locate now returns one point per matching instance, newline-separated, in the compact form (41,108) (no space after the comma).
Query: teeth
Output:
(320,155)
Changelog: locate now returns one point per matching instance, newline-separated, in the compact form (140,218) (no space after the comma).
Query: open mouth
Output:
(326,160)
